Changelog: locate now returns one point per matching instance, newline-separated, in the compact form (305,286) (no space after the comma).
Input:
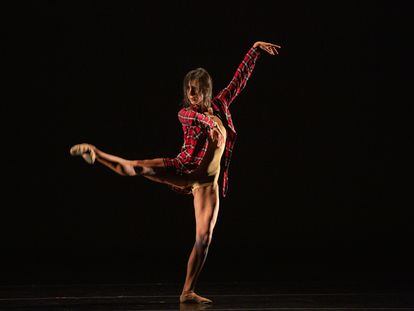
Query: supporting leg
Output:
(206,206)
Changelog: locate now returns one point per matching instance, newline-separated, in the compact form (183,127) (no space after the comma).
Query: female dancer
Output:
(208,134)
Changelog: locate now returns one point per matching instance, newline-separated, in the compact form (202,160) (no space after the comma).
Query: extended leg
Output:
(206,206)
(127,167)
(152,169)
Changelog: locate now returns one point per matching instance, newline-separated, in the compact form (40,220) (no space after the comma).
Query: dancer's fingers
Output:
(269,50)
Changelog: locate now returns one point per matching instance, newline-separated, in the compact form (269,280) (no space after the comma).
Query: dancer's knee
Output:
(147,171)
(125,170)
(203,240)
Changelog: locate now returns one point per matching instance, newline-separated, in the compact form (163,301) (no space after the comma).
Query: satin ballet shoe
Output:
(85,151)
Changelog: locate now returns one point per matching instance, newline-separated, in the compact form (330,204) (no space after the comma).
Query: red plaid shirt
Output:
(196,126)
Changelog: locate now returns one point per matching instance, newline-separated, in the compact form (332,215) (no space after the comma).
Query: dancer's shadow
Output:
(194,306)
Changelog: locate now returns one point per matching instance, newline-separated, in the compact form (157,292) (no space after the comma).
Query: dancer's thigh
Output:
(166,176)
(206,205)
(157,162)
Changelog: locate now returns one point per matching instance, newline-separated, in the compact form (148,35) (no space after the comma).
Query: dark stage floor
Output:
(226,296)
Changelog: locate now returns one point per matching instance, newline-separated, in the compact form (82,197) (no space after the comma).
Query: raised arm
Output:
(244,71)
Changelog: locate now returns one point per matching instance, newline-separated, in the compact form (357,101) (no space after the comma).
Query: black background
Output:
(315,179)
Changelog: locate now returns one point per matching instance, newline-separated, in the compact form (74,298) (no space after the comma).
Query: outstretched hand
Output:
(216,136)
(267,47)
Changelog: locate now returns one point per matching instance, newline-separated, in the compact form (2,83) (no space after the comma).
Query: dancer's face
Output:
(195,96)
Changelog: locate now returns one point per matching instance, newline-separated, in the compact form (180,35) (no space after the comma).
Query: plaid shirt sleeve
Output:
(242,74)
(189,117)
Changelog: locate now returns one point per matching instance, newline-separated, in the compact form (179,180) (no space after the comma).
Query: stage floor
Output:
(225,296)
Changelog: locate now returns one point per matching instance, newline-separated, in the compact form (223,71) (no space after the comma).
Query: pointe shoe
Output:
(84,150)
(191,297)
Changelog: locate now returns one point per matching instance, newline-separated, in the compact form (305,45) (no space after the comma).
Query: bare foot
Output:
(86,151)
(191,297)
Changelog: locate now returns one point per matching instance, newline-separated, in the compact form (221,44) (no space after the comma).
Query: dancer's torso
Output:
(207,173)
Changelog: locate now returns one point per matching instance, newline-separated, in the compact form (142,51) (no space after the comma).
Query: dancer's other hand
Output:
(267,47)
(209,112)
(216,136)
(215,133)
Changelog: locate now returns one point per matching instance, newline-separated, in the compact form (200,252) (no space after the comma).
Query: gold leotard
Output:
(207,173)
